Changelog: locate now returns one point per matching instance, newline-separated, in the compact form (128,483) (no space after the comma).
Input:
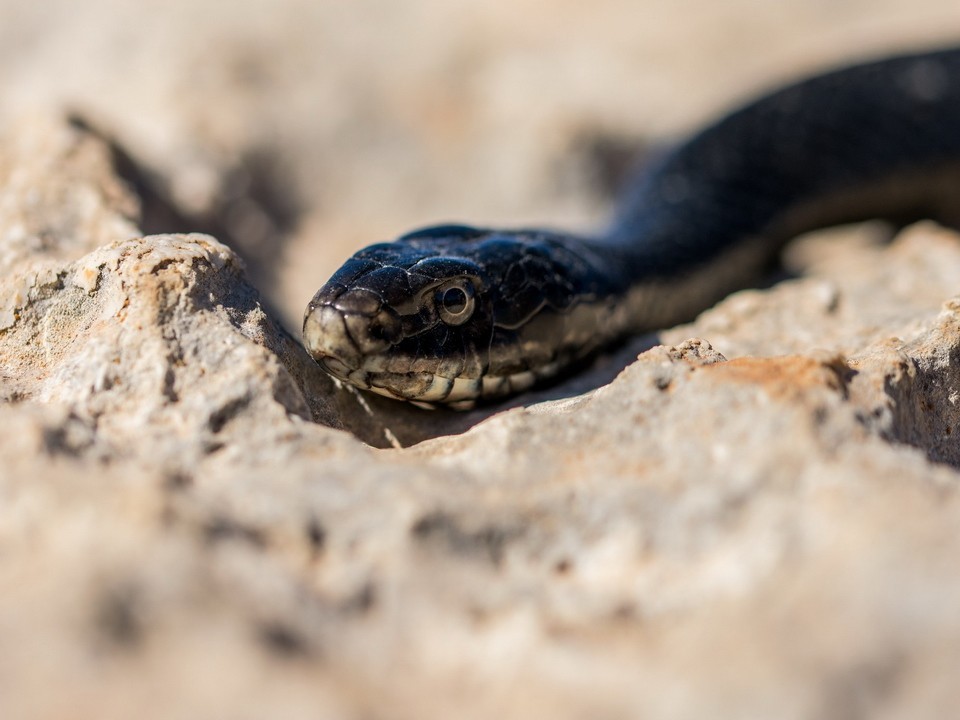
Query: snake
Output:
(450,315)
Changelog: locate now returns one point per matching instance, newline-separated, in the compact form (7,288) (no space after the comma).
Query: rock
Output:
(743,531)
(752,515)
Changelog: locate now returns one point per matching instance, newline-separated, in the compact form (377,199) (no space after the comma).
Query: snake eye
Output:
(455,301)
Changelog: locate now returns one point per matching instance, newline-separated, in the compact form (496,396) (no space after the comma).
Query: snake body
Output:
(451,314)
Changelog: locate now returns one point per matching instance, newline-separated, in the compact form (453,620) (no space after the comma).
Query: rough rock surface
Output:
(754,515)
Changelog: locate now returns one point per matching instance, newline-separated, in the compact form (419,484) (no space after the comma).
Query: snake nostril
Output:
(378,331)
(374,334)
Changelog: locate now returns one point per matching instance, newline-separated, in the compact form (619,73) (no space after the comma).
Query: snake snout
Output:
(345,331)
(325,337)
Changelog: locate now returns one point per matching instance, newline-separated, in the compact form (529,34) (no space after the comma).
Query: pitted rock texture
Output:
(750,516)
(767,527)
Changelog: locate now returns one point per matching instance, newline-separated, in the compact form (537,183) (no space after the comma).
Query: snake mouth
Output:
(352,347)
(331,338)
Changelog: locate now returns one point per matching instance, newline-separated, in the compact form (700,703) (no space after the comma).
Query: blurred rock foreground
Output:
(756,518)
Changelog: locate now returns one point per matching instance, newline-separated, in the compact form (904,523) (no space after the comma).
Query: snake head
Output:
(405,321)
(449,314)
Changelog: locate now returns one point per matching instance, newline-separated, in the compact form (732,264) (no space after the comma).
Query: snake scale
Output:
(452,314)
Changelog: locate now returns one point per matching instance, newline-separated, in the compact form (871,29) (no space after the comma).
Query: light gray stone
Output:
(747,532)
(753,515)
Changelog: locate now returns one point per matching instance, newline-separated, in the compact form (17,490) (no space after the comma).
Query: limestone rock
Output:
(754,533)
(754,515)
